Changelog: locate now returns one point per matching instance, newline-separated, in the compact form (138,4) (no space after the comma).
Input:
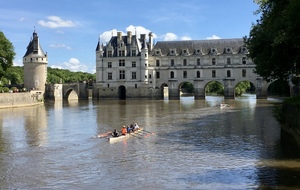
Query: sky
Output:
(69,30)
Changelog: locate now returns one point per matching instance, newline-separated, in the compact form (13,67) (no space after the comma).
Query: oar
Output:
(135,135)
(104,134)
(148,132)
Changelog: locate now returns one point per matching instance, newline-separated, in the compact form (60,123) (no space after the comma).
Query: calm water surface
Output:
(193,144)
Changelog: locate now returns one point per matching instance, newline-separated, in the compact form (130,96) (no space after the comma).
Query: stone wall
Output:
(9,100)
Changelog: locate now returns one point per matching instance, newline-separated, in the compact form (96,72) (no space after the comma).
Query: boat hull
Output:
(119,138)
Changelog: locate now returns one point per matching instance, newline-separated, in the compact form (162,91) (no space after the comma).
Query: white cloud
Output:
(170,37)
(136,30)
(56,22)
(74,65)
(56,66)
(213,37)
(186,38)
(21,19)
(59,46)
(18,62)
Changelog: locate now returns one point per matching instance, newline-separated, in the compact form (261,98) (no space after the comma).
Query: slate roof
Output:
(141,44)
(36,52)
(205,45)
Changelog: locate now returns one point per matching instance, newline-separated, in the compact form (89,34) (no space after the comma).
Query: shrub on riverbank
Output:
(287,115)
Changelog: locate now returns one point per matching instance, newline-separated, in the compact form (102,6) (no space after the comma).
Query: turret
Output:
(35,65)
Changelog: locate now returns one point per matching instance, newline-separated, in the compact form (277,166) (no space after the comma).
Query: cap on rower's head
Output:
(124,126)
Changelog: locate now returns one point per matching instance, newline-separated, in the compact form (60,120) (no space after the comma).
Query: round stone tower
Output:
(35,65)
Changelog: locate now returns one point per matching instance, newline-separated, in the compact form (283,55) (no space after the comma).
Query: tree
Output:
(274,41)
(7,54)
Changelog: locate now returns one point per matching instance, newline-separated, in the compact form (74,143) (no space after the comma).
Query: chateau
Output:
(134,67)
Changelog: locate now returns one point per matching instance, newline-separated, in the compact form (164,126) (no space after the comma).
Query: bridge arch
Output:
(70,94)
(252,87)
(218,82)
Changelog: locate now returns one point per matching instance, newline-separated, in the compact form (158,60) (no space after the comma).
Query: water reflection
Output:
(192,144)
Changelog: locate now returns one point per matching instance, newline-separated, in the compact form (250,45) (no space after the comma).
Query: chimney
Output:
(119,37)
(129,36)
(150,41)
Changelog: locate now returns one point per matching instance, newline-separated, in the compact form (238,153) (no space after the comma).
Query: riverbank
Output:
(289,119)
(24,99)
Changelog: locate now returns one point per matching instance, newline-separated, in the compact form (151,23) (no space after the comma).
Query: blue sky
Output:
(69,30)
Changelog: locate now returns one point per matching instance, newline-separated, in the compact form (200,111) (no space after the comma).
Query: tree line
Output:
(14,77)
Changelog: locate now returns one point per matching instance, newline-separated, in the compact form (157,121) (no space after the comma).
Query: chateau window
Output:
(213,61)
(157,75)
(135,85)
(198,74)
(184,62)
(171,74)
(109,54)
(121,53)
(122,74)
(133,64)
(198,61)
(244,60)
(213,74)
(121,62)
(150,76)
(228,73)
(107,85)
(109,64)
(133,75)
(184,74)
(109,76)
(244,73)
(228,61)
(145,54)
(133,53)
(157,63)
(172,62)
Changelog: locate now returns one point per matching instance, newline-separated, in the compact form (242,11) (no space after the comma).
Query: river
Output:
(187,144)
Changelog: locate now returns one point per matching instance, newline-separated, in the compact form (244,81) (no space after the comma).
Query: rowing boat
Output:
(115,139)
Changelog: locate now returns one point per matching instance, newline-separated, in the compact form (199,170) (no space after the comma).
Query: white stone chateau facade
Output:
(133,67)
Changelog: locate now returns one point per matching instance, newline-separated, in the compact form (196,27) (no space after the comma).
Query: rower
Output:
(124,130)
(115,133)
(136,127)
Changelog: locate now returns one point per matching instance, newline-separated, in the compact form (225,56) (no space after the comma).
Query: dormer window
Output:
(157,52)
(228,50)
(172,51)
(198,51)
(244,50)
(213,51)
(185,52)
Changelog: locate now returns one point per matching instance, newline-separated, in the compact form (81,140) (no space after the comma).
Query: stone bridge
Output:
(70,91)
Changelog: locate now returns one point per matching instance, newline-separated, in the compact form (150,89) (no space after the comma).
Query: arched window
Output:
(244,73)
(198,74)
(184,74)
(213,74)
(228,73)
(171,74)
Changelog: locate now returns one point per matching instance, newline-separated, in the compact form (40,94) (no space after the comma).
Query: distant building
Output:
(35,65)
(131,67)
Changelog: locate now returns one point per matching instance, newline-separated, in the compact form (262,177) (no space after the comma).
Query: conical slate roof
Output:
(35,48)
